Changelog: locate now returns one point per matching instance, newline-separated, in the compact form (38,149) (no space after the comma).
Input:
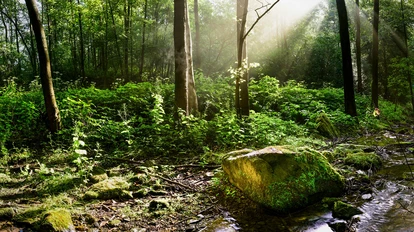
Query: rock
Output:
(140,193)
(112,188)
(284,179)
(344,211)
(338,226)
(114,223)
(158,204)
(365,161)
(325,126)
(98,178)
(7,213)
(329,202)
(367,196)
(220,224)
(58,220)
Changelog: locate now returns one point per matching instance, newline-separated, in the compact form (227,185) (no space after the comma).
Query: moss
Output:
(7,213)
(344,211)
(114,223)
(112,188)
(329,202)
(284,178)
(325,126)
(158,204)
(57,220)
(29,217)
(98,178)
(4,178)
(365,161)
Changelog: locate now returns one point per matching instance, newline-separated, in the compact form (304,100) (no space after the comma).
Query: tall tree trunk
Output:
(118,49)
(358,46)
(349,95)
(407,55)
(197,59)
(185,95)
(375,44)
(82,44)
(242,79)
(52,110)
(144,23)
(127,12)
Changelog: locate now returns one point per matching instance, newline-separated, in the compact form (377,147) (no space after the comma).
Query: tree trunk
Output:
(52,110)
(407,54)
(185,95)
(375,44)
(350,107)
(144,23)
(358,46)
(82,48)
(127,12)
(242,79)
(118,49)
(197,60)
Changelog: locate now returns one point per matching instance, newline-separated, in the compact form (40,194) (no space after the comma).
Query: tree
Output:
(197,60)
(350,107)
(52,110)
(407,53)
(185,93)
(242,79)
(358,46)
(242,75)
(375,44)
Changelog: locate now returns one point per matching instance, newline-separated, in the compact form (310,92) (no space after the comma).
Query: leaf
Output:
(81,152)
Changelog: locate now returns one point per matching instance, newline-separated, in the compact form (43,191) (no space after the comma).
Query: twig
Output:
(173,182)
(196,166)
(405,207)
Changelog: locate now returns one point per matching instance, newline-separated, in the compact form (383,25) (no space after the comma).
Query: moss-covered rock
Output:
(57,220)
(4,178)
(283,178)
(112,188)
(158,204)
(364,161)
(344,211)
(325,126)
(98,178)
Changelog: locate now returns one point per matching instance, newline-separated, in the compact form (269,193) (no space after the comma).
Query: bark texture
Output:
(52,110)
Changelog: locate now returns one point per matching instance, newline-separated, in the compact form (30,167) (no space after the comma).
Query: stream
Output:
(386,201)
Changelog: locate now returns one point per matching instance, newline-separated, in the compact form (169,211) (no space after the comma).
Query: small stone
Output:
(367,196)
(114,223)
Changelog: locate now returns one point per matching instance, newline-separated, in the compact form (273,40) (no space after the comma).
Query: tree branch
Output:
(258,19)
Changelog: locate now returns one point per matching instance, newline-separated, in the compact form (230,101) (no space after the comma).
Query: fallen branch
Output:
(172,182)
(196,166)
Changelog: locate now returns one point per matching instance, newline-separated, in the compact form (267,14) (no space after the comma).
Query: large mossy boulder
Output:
(284,179)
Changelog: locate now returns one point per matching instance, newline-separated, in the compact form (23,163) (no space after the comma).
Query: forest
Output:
(206,115)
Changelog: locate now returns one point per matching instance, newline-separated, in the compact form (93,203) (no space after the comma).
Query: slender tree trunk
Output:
(375,44)
(242,79)
(349,95)
(82,45)
(197,59)
(185,95)
(52,110)
(127,12)
(6,31)
(118,49)
(358,46)
(144,23)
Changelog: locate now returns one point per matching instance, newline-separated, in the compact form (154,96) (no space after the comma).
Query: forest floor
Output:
(155,194)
